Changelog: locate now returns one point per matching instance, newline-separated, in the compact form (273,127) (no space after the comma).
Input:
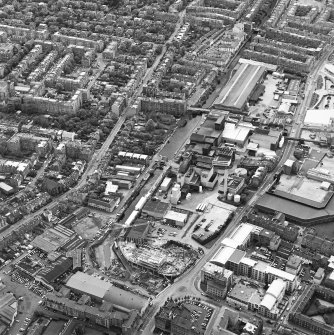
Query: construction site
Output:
(169,260)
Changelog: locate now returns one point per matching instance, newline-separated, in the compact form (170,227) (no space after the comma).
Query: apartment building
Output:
(217,279)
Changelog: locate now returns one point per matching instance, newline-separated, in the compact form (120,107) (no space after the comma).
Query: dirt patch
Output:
(89,226)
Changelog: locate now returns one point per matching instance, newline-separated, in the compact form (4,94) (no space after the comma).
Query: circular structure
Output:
(241,172)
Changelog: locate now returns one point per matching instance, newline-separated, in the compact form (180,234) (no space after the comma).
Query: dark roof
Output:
(209,132)
(77,257)
(236,256)
(137,231)
(309,164)
(62,265)
(156,206)
(204,159)
(194,137)
(75,243)
(257,92)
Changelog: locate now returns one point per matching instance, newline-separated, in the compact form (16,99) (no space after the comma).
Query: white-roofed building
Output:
(267,305)
(284,107)
(270,302)
(265,273)
(176,218)
(228,242)
(101,290)
(84,283)
(277,289)
(330,68)
(319,276)
(6,189)
(234,134)
(222,256)
(319,117)
(241,236)
(274,273)
(331,262)
(329,281)
(110,188)
(166,184)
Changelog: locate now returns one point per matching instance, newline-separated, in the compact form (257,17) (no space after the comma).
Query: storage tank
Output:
(241,172)
(229,196)
(237,198)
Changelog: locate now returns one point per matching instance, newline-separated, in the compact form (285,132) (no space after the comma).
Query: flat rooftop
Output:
(319,117)
(222,256)
(295,211)
(235,133)
(245,293)
(236,92)
(88,284)
(303,190)
(157,207)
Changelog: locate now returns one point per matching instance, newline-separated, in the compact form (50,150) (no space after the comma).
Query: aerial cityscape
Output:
(167,167)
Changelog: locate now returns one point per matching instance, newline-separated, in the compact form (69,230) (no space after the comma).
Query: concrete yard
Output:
(267,98)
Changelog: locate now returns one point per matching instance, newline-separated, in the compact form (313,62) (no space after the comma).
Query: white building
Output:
(241,236)
(274,295)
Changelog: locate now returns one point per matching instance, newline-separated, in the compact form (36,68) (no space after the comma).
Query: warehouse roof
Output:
(156,207)
(176,216)
(238,89)
(241,233)
(222,256)
(268,301)
(137,232)
(276,288)
(88,284)
(125,299)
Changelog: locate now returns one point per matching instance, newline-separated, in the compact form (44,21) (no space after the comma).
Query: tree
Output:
(158,49)
(150,125)
(59,87)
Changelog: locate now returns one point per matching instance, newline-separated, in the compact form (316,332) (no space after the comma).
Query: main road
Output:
(185,285)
